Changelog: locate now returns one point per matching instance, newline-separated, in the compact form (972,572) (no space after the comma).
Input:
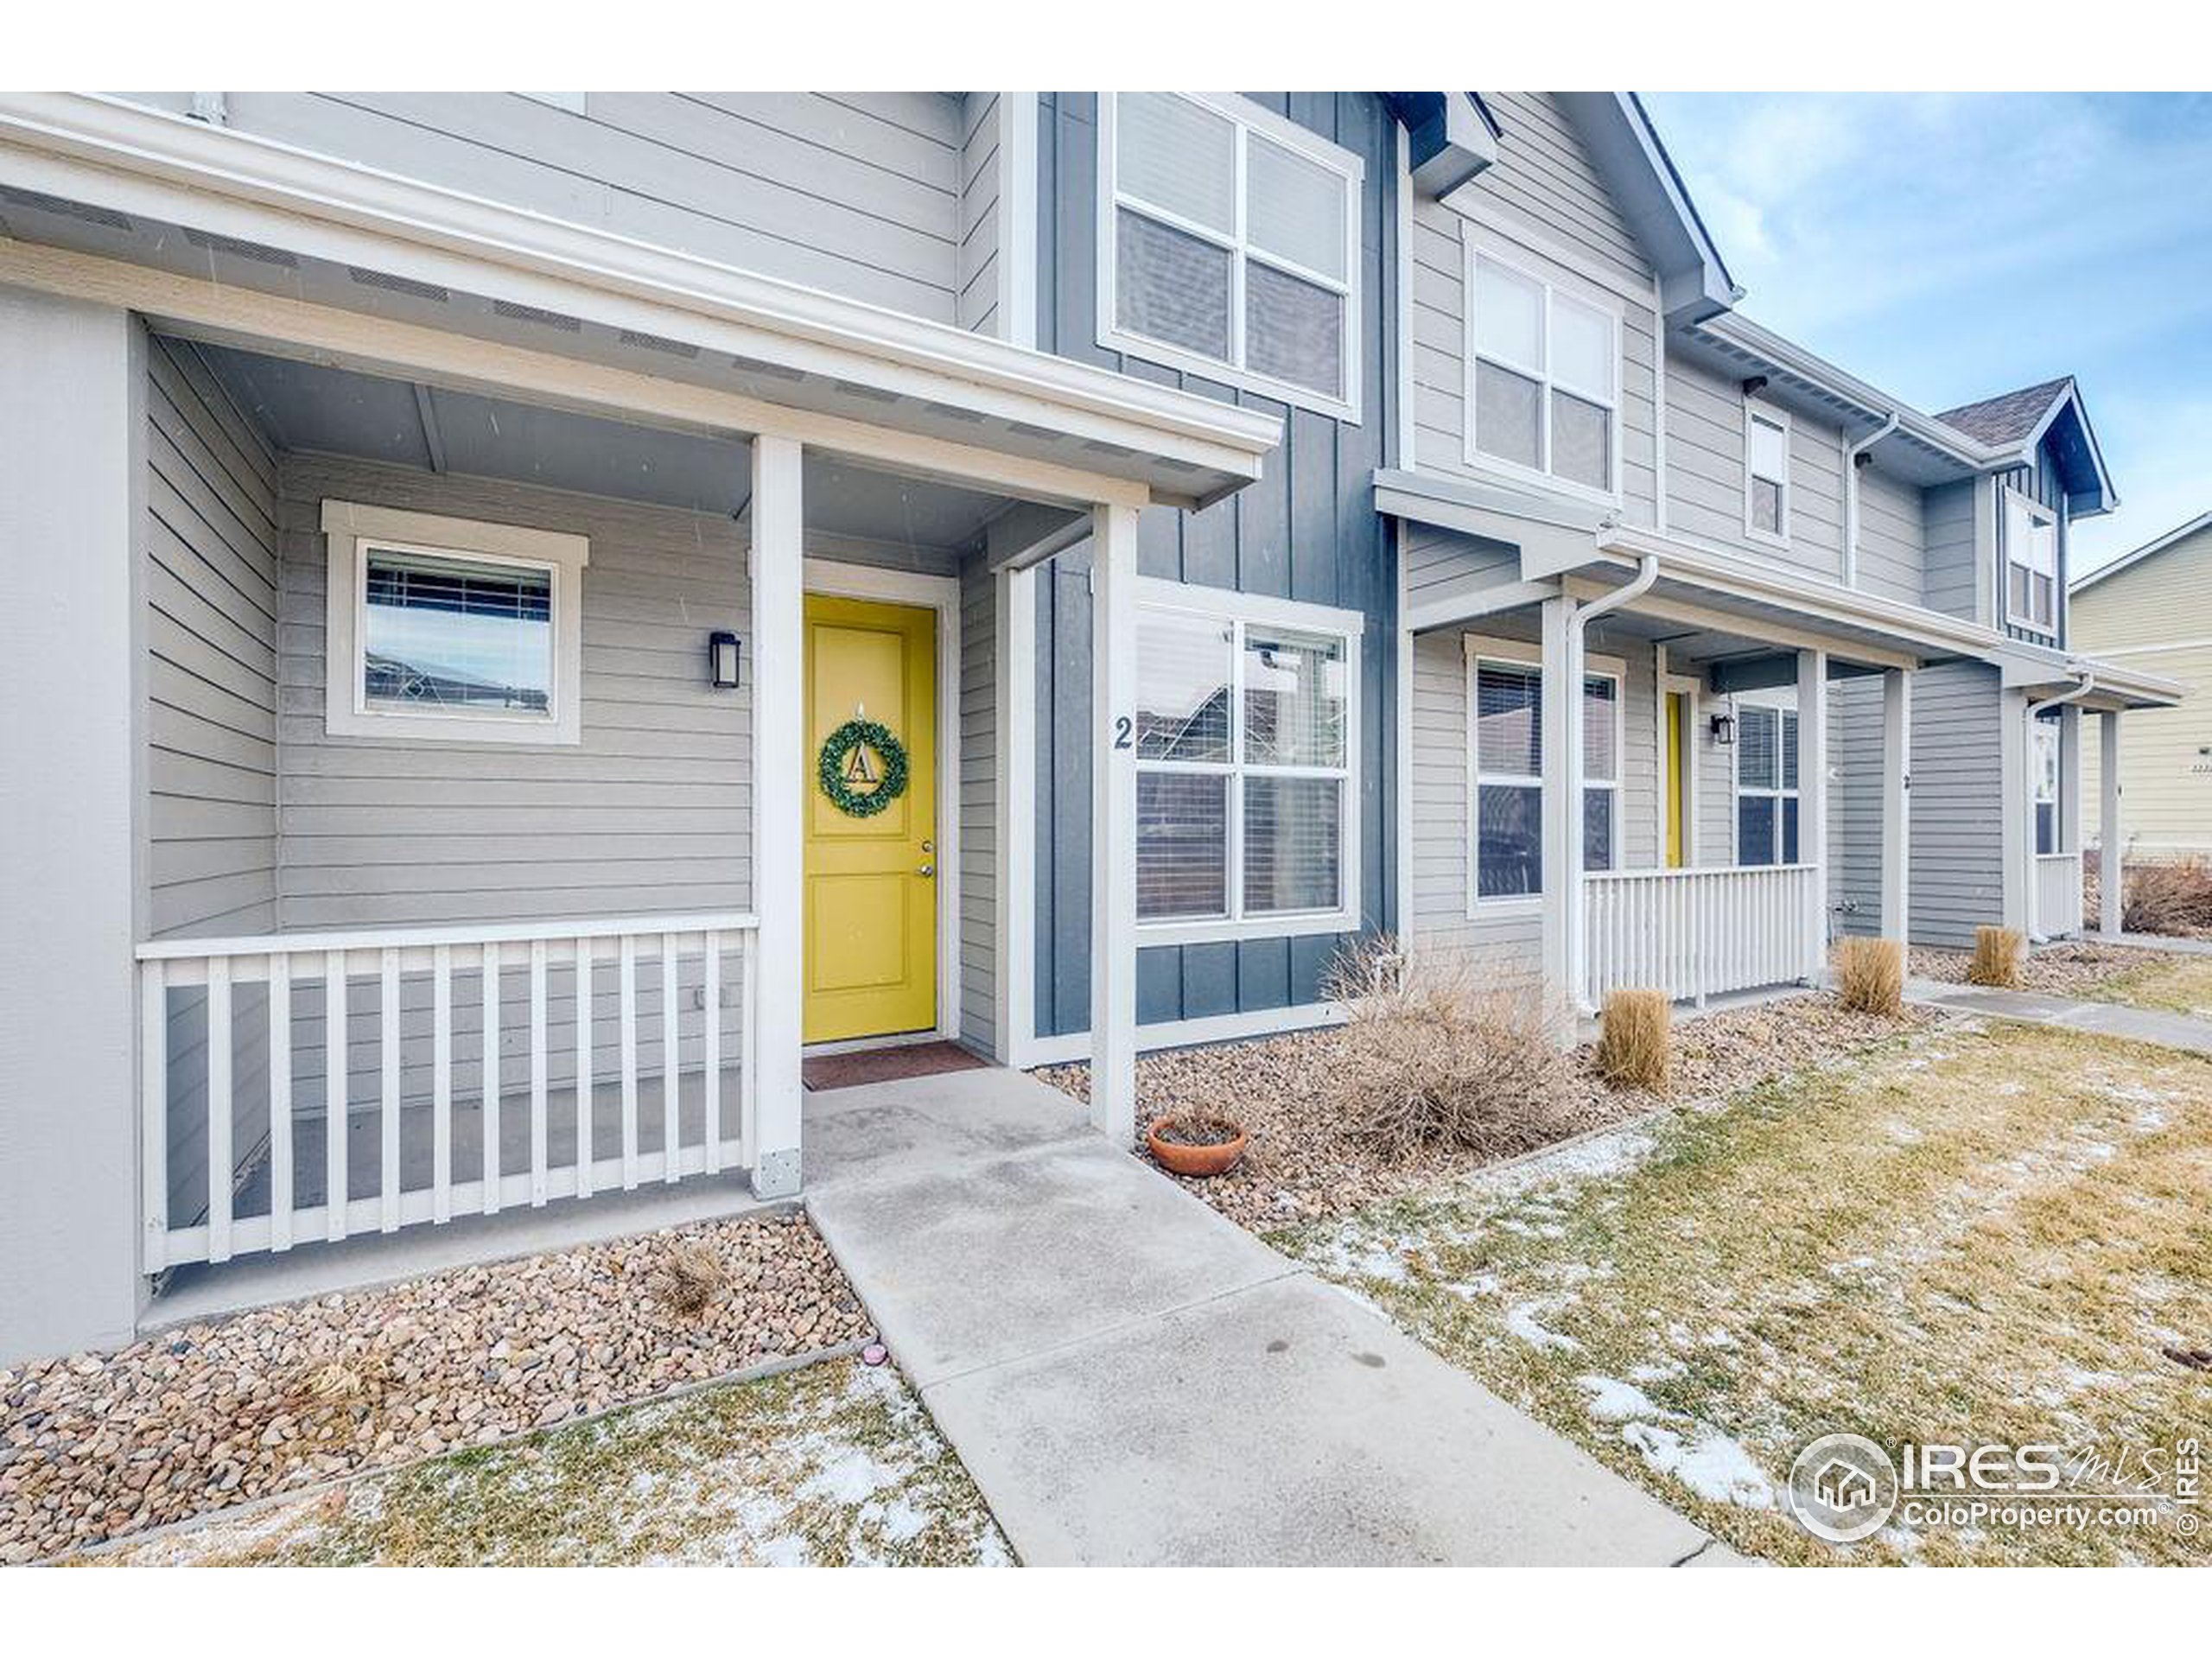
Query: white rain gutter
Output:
(2086,684)
(1647,573)
(1850,495)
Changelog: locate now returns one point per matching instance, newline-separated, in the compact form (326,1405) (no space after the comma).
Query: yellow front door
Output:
(1677,709)
(871,887)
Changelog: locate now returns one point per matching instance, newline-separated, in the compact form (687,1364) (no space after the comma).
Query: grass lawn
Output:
(836,1464)
(2177,984)
(1971,1234)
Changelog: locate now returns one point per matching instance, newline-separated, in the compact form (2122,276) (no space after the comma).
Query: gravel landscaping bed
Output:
(2069,968)
(1301,1167)
(100,1445)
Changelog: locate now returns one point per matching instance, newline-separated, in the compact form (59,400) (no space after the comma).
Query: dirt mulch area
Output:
(100,1445)
(2069,968)
(1302,1166)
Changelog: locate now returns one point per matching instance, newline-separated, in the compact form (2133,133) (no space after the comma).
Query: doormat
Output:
(886,1065)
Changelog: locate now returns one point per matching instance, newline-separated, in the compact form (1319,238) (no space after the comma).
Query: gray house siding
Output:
(1306,531)
(977,807)
(1957,877)
(1892,537)
(1706,478)
(857,193)
(1953,581)
(1855,804)
(976,308)
(1544,176)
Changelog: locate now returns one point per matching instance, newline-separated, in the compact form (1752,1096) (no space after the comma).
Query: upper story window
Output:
(2031,563)
(1228,246)
(1766,473)
(1543,379)
(451,628)
(1247,739)
(1766,786)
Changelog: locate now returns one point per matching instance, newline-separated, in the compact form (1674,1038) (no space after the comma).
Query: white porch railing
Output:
(238,1078)
(1696,932)
(2058,893)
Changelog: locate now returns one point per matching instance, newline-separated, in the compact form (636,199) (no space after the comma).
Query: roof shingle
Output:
(2006,419)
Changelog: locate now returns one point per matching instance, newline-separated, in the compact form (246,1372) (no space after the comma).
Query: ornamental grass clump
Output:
(1870,976)
(1998,954)
(2167,896)
(1636,1040)
(1431,1059)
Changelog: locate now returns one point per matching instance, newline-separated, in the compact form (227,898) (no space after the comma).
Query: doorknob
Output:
(926,869)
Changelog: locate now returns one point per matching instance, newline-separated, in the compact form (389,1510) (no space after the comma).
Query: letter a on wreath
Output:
(849,756)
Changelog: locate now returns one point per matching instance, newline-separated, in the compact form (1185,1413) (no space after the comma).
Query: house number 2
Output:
(1123,727)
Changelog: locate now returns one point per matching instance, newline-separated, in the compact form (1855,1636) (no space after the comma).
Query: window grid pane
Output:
(451,632)
(1293,697)
(1600,705)
(1294,331)
(1582,348)
(1508,409)
(1755,744)
(1508,316)
(1293,207)
(1176,155)
(1183,678)
(1292,835)
(1597,829)
(1582,442)
(1182,845)
(1171,286)
(1508,725)
(1509,841)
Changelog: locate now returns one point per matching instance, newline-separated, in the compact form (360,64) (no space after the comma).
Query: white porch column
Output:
(1813,802)
(777,560)
(1560,841)
(1897,804)
(1114,823)
(2111,843)
(2015,844)
(1016,690)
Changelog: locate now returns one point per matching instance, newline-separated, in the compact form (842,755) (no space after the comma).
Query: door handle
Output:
(926,869)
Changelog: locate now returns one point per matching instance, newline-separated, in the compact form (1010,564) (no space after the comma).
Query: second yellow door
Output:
(871,885)
(1677,722)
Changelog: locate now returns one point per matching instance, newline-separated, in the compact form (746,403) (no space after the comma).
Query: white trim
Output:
(1014,594)
(1246,117)
(1485,464)
(1070,1047)
(1114,828)
(1408,435)
(834,579)
(1782,700)
(1755,411)
(1017,210)
(350,528)
(2020,509)
(153,163)
(1693,690)
(1658,407)
(1240,611)
(775,567)
(1477,649)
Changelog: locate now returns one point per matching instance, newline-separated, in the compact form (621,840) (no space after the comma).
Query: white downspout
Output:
(2030,713)
(1850,495)
(1647,572)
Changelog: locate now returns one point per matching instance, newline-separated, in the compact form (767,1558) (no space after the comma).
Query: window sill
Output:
(1209,368)
(1766,538)
(1296,925)
(1514,476)
(1529,904)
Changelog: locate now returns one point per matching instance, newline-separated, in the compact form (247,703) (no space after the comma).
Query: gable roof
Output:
(2179,533)
(2024,419)
(1694,279)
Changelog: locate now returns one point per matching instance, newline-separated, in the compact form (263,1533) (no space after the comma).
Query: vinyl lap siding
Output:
(1892,537)
(976,308)
(1855,804)
(1705,474)
(1957,877)
(1951,584)
(978,807)
(1544,175)
(854,193)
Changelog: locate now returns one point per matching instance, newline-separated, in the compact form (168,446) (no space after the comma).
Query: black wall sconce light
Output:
(1724,730)
(722,661)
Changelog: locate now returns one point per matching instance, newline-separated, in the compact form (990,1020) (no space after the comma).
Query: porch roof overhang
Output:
(1567,547)
(2114,687)
(222,235)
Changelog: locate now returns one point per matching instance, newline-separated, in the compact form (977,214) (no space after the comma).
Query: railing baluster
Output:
(441,1083)
(710,999)
(489,993)
(583,1068)
(538,1073)
(626,968)
(154,1111)
(748,1081)
(388,1090)
(220,1172)
(280,1101)
(337,1085)
(671,1099)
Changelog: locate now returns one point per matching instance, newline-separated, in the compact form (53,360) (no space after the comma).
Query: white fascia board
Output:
(151,163)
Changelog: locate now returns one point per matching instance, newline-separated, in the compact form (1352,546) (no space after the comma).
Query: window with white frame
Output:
(1246,742)
(451,628)
(1543,379)
(1229,244)
(1505,686)
(1766,784)
(2045,757)
(2031,563)
(1766,473)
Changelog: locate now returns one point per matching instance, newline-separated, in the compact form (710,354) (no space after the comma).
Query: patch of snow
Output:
(849,1476)
(1658,1373)
(1521,1319)
(1710,1464)
(1616,1400)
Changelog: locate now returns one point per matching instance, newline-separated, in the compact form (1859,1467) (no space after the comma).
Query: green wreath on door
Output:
(844,762)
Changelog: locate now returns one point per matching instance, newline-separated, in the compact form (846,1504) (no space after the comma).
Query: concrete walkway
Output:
(2173,944)
(2036,1007)
(1132,1380)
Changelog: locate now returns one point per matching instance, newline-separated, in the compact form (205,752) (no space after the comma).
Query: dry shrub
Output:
(1635,1040)
(1431,1059)
(2168,896)
(1870,976)
(688,1277)
(1998,954)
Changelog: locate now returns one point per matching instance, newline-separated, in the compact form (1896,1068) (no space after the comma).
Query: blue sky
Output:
(1947,247)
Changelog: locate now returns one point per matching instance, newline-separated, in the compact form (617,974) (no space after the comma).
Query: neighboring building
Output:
(482,563)
(2151,609)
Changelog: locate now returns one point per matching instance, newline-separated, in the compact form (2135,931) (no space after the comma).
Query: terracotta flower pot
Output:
(1180,1158)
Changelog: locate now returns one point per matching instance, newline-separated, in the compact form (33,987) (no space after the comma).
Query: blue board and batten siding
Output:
(1307,530)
